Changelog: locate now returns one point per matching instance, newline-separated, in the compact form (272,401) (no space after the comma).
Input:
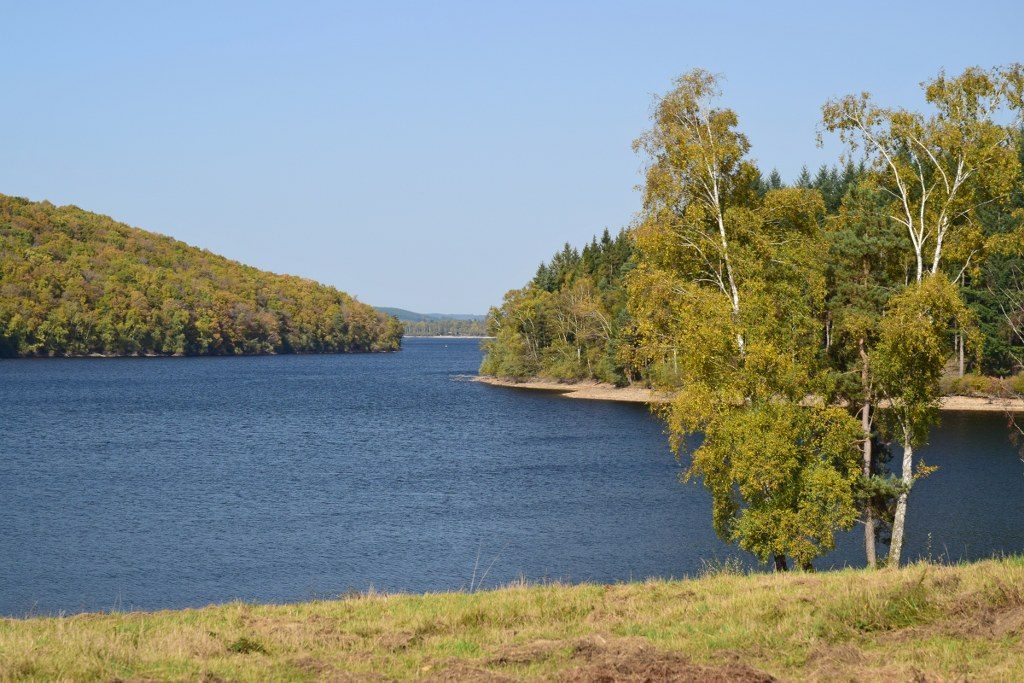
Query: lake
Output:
(144,483)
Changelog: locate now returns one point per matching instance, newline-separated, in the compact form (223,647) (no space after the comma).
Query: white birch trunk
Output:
(899,522)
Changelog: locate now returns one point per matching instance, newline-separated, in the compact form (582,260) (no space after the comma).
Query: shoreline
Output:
(116,356)
(586,390)
(601,391)
(445,336)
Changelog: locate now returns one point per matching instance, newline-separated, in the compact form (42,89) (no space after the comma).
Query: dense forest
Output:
(571,321)
(805,332)
(75,283)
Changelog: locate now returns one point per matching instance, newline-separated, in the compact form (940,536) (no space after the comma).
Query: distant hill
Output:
(439,324)
(412,317)
(76,283)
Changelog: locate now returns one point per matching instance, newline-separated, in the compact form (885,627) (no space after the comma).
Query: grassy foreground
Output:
(924,622)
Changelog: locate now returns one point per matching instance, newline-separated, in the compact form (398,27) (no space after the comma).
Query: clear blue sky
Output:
(425,155)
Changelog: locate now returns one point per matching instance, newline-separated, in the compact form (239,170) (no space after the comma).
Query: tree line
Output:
(449,327)
(802,330)
(570,321)
(76,283)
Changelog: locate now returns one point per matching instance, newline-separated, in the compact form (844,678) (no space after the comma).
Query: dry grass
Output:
(923,622)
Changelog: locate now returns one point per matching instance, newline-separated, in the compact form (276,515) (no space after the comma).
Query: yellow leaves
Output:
(916,339)
(782,476)
(975,92)
(941,168)
(1009,243)
(94,285)
(923,470)
(850,115)
(793,211)
(696,154)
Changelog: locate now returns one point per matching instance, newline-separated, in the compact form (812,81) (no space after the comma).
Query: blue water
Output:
(153,483)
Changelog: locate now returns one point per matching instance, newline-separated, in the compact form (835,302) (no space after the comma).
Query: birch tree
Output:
(938,171)
(940,168)
(915,341)
(697,174)
(735,283)
(583,328)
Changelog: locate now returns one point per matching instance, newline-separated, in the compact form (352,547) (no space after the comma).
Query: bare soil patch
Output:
(604,660)
(627,660)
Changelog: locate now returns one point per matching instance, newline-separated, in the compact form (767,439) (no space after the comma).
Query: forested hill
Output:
(413,317)
(439,324)
(77,283)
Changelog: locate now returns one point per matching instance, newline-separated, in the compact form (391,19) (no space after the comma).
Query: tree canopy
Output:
(800,330)
(75,283)
(570,321)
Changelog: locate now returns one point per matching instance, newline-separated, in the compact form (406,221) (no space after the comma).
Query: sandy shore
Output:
(594,391)
(597,391)
(982,404)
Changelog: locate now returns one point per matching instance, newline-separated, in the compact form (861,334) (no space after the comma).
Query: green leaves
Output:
(760,306)
(76,283)
(782,476)
(916,338)
(729,292)
(569,321)
(941,168)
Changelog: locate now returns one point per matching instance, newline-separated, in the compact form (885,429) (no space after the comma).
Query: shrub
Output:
(245,646)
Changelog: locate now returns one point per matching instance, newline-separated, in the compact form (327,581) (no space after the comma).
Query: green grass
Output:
(922,622)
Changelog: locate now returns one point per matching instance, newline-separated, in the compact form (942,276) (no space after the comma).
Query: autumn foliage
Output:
(76,283)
